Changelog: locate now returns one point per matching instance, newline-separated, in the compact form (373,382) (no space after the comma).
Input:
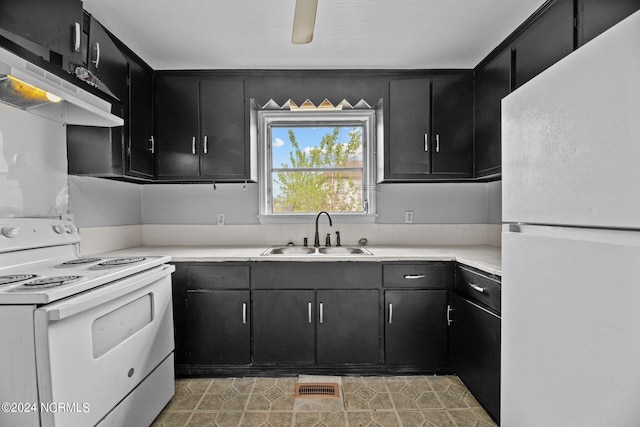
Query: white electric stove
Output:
(86,340)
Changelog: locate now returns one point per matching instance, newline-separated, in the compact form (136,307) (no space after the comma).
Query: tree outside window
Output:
(319,168)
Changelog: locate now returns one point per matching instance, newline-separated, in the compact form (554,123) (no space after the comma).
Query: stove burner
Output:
(78,261)
(5,280)
(118,262)
(50,282)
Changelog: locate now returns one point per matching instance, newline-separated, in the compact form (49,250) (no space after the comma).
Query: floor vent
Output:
(316,390)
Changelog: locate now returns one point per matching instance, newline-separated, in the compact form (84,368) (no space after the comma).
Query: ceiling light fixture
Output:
(304,19)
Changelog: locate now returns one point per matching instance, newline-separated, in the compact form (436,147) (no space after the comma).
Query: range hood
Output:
(28,87)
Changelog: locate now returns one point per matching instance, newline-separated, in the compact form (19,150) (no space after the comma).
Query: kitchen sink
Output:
(289,250)
(344,250)
(322,251)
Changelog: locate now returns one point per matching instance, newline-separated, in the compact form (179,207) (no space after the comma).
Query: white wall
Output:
(171,214)
(33,165)
(97,202)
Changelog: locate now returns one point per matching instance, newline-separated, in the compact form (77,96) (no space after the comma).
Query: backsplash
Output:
(104,239)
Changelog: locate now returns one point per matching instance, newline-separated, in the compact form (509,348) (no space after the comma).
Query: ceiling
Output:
(349,34)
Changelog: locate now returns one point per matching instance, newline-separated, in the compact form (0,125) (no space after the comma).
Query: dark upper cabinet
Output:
(56,25)
(200,128)
(596,16)
(431,128)
(452,128)
(106,61)
(545,41)
(409,127)
(492,83)
(121,151)
(224,153)
(140,121)
(176,127)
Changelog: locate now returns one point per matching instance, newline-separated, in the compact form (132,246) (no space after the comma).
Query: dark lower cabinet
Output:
(416,328)
(218,327)
(348,326)
(307,326)
(474,351)
(284,326)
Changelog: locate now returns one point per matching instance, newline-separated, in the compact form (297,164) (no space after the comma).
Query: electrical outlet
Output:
(408,217)
(220,218)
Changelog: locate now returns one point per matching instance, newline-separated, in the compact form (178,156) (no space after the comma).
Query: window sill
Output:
(338,218)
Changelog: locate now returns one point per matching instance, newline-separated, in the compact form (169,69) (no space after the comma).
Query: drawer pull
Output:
(477,288)
(414,276)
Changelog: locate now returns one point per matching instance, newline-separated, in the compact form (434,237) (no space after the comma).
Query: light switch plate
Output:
(408,217)
(220,218)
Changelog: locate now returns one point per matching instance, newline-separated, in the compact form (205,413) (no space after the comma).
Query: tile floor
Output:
(410,401)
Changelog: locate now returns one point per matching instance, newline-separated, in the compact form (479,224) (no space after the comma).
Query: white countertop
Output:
(485,258)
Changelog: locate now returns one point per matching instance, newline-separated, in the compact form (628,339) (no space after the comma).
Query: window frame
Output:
(266,119)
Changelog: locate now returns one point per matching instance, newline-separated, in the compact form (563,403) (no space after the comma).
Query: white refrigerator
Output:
(571,239)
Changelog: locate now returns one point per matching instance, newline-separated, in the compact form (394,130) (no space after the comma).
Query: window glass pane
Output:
(305,191)
(316,147)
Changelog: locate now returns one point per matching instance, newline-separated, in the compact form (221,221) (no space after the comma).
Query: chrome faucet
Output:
(316,240)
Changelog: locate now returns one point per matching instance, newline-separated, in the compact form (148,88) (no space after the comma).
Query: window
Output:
(312,161)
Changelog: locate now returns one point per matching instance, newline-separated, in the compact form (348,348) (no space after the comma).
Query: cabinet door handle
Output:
(437,143)
(449,310)
(153,144)
(390,313)
(206,144)
(76,37)
(193,145)
(309,311)
(244,313)
(477,288)
(97,61)
(414,276)
(321,313)
(426,142)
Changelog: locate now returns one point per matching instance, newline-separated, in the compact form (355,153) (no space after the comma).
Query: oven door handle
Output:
(96,297)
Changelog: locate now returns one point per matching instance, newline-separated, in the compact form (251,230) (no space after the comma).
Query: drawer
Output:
(478,287)
(224,276)
(433,275)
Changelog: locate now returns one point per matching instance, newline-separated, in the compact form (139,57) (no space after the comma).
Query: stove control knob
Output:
(70,229)
(10,232)
(59,229)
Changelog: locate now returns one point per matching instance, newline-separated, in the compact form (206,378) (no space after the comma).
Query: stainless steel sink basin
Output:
(289,250)
(322,251)
(344,250)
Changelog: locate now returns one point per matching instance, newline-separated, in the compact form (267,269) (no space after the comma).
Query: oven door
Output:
(93,349)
